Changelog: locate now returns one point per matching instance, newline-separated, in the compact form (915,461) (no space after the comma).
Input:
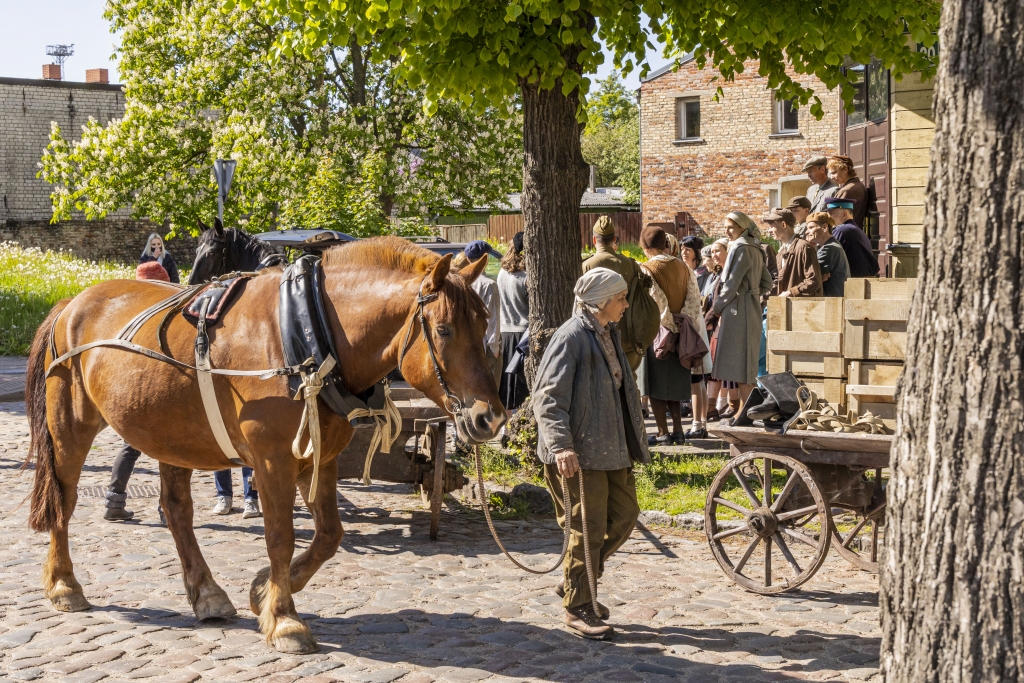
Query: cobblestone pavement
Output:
(392,606)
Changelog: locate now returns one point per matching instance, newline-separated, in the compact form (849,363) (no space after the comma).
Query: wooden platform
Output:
(832,448)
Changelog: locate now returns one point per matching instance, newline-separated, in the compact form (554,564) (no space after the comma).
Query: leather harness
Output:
(308,346)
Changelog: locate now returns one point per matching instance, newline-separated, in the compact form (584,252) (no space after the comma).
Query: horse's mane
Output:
(394,253)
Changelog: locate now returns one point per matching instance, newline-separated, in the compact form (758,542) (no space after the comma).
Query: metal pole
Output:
(223,172)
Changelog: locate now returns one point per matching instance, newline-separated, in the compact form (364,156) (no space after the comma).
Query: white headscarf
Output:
(748,226)
(597,286)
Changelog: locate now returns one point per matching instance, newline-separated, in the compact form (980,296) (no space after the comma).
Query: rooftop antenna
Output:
(61,53)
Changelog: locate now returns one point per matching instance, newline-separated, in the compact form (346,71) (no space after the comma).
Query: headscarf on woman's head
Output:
(146,251)
(673,245)
(596,287)
(748,226)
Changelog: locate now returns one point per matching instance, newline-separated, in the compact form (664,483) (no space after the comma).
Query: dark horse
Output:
(223,251)
(373,291)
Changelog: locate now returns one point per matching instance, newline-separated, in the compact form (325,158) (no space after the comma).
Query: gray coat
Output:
(744,281)
(577,406)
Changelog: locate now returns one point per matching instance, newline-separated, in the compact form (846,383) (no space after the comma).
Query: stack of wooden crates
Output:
(849,351)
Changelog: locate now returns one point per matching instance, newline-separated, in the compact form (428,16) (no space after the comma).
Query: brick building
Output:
(700,158)
(27,106)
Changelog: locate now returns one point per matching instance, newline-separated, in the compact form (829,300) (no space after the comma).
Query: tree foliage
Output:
(326,138)
(611,140)
(481,52)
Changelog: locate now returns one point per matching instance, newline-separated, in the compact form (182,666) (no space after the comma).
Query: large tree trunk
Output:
(554,179)
(953,574)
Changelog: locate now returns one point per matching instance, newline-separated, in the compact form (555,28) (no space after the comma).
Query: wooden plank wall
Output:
(913,127)
(464,233)
(502,227)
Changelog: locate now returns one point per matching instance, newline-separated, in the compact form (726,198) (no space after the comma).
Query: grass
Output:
(32,281)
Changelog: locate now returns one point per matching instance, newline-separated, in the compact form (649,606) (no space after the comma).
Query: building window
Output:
(870,93)
(688,118)
(787,116)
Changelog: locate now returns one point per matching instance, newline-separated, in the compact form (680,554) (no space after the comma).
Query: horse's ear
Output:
(218,226)
(203,227)
(437,275)
(473,270)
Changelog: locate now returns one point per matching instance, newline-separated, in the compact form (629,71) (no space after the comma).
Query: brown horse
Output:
(371,292)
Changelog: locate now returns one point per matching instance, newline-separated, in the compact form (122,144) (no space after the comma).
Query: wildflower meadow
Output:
(32,281)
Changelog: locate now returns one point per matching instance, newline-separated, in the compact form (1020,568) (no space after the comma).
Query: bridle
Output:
(222,243)
(451,402)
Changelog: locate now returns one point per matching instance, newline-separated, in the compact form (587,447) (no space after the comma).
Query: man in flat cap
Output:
(800,207)
(606,245)
(799,273)
(591,432)
(863,262)
(822,186)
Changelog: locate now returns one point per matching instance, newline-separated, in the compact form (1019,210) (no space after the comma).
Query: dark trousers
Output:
(612,511)
(124,463)
(222,479)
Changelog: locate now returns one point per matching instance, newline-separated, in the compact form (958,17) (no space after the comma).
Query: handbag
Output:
(690,347)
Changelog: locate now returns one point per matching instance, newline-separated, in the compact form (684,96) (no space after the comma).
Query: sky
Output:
(28,26)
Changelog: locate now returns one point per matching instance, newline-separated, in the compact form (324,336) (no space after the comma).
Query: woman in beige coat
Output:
(745,280)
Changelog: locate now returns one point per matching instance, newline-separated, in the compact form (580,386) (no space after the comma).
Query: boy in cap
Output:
(822,186)
(800,207)
(606,246)
(835,269)
(799,274)
(862,259)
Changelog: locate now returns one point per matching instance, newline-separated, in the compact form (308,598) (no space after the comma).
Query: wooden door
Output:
(864,137)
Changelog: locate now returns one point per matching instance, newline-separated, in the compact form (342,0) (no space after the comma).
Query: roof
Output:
(311,239)
(67,85)
(604,198)
(671,66)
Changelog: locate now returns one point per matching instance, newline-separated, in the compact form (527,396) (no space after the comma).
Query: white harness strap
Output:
(209,393)
(388,424)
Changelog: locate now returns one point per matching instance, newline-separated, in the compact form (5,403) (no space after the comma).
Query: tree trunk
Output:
(952,593)
(554,179)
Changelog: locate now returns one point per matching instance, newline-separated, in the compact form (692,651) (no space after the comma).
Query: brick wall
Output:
(739,158)
(27,107)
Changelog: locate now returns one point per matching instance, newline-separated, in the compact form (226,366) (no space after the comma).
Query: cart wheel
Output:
(861,545)
(744,549)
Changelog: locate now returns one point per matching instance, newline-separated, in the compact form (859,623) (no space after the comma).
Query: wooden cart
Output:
(417,457)
(778,505)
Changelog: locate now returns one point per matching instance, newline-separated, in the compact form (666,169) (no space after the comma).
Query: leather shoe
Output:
(726,414)
(603,612)
(581,621)
(713,414)
(701,433)
(686,409)
(678,438)
(118,515)
(663,440)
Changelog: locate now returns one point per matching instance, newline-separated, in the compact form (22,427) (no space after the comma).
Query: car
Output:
(307,240)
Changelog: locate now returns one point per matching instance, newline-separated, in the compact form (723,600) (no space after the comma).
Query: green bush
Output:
(32,281)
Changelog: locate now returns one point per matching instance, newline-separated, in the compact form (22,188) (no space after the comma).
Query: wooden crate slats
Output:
(806,364)
(876,312)
(874,374)
(807,342)
(880,288)
(805,336)
(805,314)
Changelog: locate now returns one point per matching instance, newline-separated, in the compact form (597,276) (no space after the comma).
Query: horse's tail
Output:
(47,498)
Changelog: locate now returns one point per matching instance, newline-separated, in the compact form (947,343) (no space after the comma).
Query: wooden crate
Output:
(805,336)
(872,387)
(876,312)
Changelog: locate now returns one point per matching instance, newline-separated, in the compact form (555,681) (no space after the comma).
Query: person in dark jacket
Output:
(841,170)
(862,259)
(587,407)
(155,251)
(835,269)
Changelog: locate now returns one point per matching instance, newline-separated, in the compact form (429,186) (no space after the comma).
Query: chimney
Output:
(51,72)
(593,178)
(96,76)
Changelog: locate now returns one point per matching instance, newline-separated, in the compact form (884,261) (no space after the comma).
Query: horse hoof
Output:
(215,605)
(257,590)
(70,602)
(293,637)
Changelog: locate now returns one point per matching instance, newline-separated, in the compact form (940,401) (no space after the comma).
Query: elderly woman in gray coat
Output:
(745,279)
(588,414)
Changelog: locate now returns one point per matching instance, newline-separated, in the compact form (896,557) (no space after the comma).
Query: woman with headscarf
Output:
(155,251)
(588,420)
(737,306)
(515,314)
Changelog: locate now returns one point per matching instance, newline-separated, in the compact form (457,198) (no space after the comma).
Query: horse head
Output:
(223,251)
(447,360)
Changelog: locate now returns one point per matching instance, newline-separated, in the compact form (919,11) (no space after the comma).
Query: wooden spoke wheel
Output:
(775,546)
(861,544)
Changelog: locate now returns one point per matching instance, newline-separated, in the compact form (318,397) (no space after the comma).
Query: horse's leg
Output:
(270,596)
(208,600)
(326,519)
(71,446)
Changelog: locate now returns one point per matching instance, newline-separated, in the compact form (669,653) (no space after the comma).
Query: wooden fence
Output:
(627,224)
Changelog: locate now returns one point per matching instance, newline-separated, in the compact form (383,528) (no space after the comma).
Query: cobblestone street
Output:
(393,606)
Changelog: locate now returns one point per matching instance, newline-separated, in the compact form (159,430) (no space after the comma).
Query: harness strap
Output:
(209,393)
(387,425)
(312,383)
(129,330)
